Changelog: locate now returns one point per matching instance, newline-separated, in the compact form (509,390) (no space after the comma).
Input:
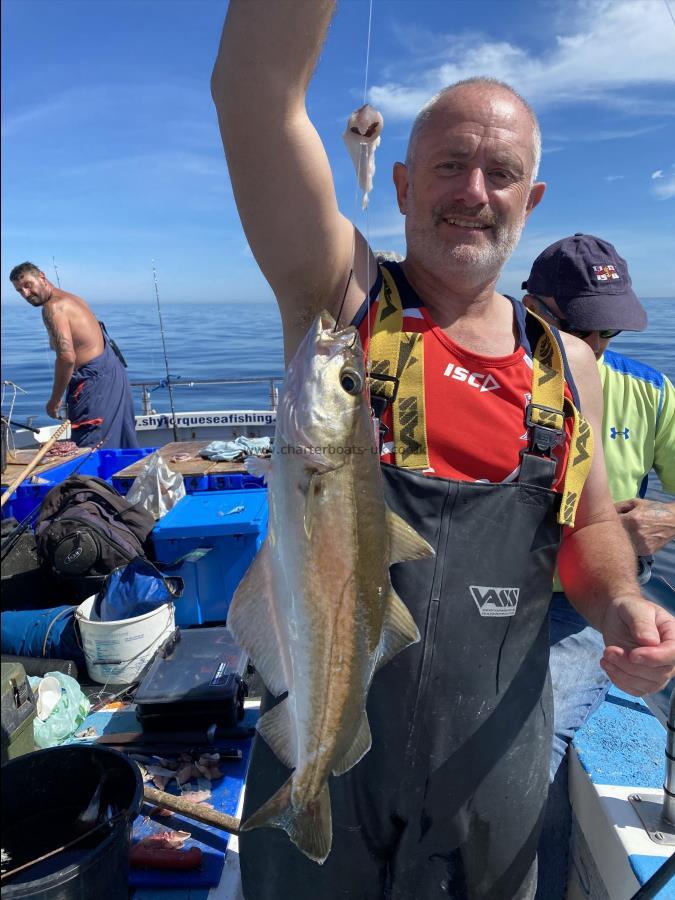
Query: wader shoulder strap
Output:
(113,346)
(397,377)
(545,418)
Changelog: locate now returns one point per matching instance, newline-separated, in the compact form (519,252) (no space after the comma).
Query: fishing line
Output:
(344,295)
(166,359)
(669,11)
(368,250)
(57,273)
(362,159)
(370,22)
(362,155)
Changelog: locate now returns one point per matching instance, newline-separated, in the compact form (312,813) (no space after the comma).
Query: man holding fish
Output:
(407,748)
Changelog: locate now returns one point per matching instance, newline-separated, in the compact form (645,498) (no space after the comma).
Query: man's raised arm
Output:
(280,173)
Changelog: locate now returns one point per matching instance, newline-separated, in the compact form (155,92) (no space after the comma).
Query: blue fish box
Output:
(102,463)
(234,525)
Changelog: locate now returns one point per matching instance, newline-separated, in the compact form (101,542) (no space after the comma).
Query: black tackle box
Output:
(196,680)
(18,711)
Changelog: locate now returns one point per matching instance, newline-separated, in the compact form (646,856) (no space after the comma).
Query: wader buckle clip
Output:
(378,376)
(378,405)
(543,438)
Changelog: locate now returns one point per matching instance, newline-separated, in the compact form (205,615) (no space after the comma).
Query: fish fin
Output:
(358,749)
(251,619)
(398,630)
(310,829)
(405,542)
(259,466)
(276,728)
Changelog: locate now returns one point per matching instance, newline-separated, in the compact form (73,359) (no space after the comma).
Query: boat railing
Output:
(177,381)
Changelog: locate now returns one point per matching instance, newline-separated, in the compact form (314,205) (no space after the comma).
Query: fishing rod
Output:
(57,273)
(166,359)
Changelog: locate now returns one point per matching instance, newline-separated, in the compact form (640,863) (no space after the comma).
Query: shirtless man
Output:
(448,801)
(87,370)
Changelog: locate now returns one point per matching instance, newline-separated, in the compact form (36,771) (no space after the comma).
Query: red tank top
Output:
(475,405)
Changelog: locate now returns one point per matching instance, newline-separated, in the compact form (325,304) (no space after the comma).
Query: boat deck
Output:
(618,754)
(174,455)
(19,459)
(218,878)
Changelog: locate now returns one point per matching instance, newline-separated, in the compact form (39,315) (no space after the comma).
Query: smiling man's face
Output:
(467,189)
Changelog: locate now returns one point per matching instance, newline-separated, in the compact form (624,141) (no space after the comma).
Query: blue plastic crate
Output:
(101,463)
(24,500)
(192,483)
(113,461)
(27,497)
(195,483)
(235,482)
(234,525)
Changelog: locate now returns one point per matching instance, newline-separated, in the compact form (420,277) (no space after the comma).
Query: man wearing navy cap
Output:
(581,286)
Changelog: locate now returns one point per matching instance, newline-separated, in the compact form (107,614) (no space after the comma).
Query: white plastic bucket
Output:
(116,652)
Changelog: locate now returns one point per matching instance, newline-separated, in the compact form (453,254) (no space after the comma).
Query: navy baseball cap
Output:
(590,283)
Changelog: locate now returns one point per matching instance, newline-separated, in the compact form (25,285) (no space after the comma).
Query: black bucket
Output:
(43,793)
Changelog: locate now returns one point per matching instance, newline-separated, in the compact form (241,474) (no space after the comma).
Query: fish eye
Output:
(351,381)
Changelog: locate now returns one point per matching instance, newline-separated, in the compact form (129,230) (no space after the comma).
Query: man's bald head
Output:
(480,87)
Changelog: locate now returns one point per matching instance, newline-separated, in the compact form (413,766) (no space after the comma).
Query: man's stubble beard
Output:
(480,263)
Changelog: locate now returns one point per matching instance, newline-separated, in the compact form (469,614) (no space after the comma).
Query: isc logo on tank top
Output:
(480,380)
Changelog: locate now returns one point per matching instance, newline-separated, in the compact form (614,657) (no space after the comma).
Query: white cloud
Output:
(614,177)
(664,185)
(611,44)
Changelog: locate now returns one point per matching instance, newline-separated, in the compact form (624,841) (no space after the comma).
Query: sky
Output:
(111,155)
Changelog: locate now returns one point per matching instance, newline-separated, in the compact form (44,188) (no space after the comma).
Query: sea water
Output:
(203,340)
(214,341)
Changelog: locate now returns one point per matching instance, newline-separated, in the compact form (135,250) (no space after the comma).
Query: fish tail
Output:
(309,828)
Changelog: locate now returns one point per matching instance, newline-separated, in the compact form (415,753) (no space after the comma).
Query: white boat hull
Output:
(157,429)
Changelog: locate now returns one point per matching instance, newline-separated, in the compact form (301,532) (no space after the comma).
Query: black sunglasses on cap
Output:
(605,335)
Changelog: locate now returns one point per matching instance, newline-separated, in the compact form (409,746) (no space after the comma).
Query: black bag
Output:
(85,527)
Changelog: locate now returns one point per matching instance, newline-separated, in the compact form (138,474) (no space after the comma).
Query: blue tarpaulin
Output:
(133,590)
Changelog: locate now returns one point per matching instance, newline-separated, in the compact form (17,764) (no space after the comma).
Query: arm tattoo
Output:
(58,341)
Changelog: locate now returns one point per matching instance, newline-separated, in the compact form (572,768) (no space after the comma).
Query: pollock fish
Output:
(362,137)
(316,610)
